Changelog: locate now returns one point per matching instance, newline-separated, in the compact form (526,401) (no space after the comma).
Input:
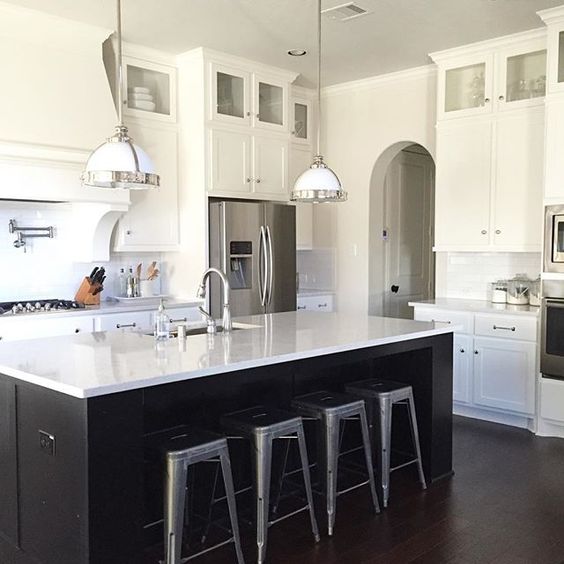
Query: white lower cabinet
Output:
(494,362)
(316,303)
(135,321)
(25,328)
(462,369)
(504,374)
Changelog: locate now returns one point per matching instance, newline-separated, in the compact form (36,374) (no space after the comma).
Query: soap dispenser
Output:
(162,323)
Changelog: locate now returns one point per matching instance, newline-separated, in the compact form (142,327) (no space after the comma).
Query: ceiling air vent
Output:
(344,12)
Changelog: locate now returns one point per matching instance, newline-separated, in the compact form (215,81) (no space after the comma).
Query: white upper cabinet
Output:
(270,167)
(150,90)
(230,162)
(230,95)
(270,103)
(151,224)
(505,73)
(302,125)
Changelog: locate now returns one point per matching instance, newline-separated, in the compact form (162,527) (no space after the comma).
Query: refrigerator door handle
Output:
(270,271)
(263,264)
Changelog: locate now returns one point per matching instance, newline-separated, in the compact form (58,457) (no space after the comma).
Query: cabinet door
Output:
(555,43)
(465,87)
(230,95)
(270,103)
(301,124)
(522,77)
(519,162)
(230,161)
(150,90)
(134,321)
(462,370)
(300,160)
(462,192)
(151,224)
(554,163)
(270,167)
(504,374)
(40,327)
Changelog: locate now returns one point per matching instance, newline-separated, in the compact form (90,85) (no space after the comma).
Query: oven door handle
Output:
(555,303)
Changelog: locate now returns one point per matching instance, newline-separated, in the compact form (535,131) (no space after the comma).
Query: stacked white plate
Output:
(140,98)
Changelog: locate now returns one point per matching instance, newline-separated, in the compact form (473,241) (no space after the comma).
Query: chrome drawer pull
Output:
(321,305)
(439,321)
(124,325)
(181,320)
(504,328)
(301,307)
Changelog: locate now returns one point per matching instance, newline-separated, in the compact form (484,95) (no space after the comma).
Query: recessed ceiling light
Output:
(297,52)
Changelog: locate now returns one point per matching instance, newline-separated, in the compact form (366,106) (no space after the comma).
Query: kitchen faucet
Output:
(227,325)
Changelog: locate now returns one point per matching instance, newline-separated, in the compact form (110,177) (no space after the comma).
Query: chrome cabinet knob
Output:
(498,231)
(248,113)
(501,98)
(462,351)
(475,352)
(484,232)
(487,100)
(249,180)
(258,181)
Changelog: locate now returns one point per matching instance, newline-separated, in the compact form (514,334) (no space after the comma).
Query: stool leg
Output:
(262,466)
(307,481)
(385,446)
(230,494)
(415,437)
(331,448)
(175,499)
(368,457)
(281,477)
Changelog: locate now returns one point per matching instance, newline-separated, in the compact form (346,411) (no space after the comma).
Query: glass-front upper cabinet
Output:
(270,103)
(150,90)
(522,76)
(301,121)
(230,95)
(465,89)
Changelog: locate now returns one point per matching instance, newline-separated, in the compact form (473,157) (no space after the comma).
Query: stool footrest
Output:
(291,514)
(408,463)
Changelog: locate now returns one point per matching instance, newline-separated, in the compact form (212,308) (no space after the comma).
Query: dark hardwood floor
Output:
(504,505)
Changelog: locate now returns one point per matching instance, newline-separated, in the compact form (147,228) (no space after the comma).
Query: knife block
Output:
(85,293)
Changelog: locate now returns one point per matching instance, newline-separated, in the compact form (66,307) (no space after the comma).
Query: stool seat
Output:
(259,418)
(376,388)
(328,402)
(191,441)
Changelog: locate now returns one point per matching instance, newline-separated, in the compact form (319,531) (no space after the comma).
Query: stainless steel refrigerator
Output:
(254,243)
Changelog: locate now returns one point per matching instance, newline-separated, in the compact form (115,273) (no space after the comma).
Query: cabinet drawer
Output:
(21,329)
(183,315)
(315,303)
(506,327)
(465,320)
(125,321)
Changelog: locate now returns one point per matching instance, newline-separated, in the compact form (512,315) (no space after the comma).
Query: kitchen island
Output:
(75,413)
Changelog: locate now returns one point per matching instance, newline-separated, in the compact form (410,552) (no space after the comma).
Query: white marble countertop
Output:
(107,307)
(87,365)
(478,306)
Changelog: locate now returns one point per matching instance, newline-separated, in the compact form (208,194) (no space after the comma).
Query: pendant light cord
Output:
(318,77)
(120,66)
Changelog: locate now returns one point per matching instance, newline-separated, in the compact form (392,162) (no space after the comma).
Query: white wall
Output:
(360,121)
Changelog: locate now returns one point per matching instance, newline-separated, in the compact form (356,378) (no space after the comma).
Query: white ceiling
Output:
(396,35)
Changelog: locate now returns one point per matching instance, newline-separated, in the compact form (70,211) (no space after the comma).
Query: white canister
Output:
(148,288)
(499,292)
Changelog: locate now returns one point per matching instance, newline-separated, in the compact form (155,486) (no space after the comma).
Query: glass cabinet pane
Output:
(271,103)
(561,56)
(300,120)
(230,95)
(465,87)
(148,90)
(526,76)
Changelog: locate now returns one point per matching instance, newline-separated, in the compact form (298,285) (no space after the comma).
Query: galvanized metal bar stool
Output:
(181,451)
(381,396)
(331,409)
(262,425)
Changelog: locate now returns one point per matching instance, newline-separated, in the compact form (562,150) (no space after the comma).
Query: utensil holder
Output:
(85,293)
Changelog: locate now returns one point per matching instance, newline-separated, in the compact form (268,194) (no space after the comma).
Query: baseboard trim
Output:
(520,421)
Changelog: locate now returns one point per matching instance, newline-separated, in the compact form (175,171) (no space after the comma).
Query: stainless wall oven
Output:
(554,239)
(552,329)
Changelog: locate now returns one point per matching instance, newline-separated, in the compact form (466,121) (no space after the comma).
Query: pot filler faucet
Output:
(227,325)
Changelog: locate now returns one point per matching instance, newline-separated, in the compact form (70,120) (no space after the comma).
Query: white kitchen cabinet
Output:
(270,102)
(29,327)
(503,374)
(151,224)
(462,369)
(462,192)
(554,163)
(243,165)
(324,303)
(301,121)
(230,162)
(270,167)
(230,95)
(518,181)
(158,87)
(133,321)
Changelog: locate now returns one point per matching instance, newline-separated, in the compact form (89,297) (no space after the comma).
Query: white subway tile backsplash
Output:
(317,269)
(468,275)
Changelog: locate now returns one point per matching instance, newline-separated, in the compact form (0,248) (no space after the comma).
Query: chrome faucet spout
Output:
(227,324)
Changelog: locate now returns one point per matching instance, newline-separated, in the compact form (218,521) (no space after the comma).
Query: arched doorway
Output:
(401,229)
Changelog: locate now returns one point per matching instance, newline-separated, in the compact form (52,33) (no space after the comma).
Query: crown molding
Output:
(551,15)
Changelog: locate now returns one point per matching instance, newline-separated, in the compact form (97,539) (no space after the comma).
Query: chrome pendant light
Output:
(118,163)
(318,183)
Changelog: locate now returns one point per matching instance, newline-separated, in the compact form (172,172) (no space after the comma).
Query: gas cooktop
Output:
(36,306)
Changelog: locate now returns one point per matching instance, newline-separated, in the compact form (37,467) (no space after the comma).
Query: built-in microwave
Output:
(554,239)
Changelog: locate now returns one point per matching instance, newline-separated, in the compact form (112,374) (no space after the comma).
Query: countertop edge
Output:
(481,306)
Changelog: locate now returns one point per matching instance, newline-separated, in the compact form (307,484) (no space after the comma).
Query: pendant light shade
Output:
(118,163)
(318,183)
